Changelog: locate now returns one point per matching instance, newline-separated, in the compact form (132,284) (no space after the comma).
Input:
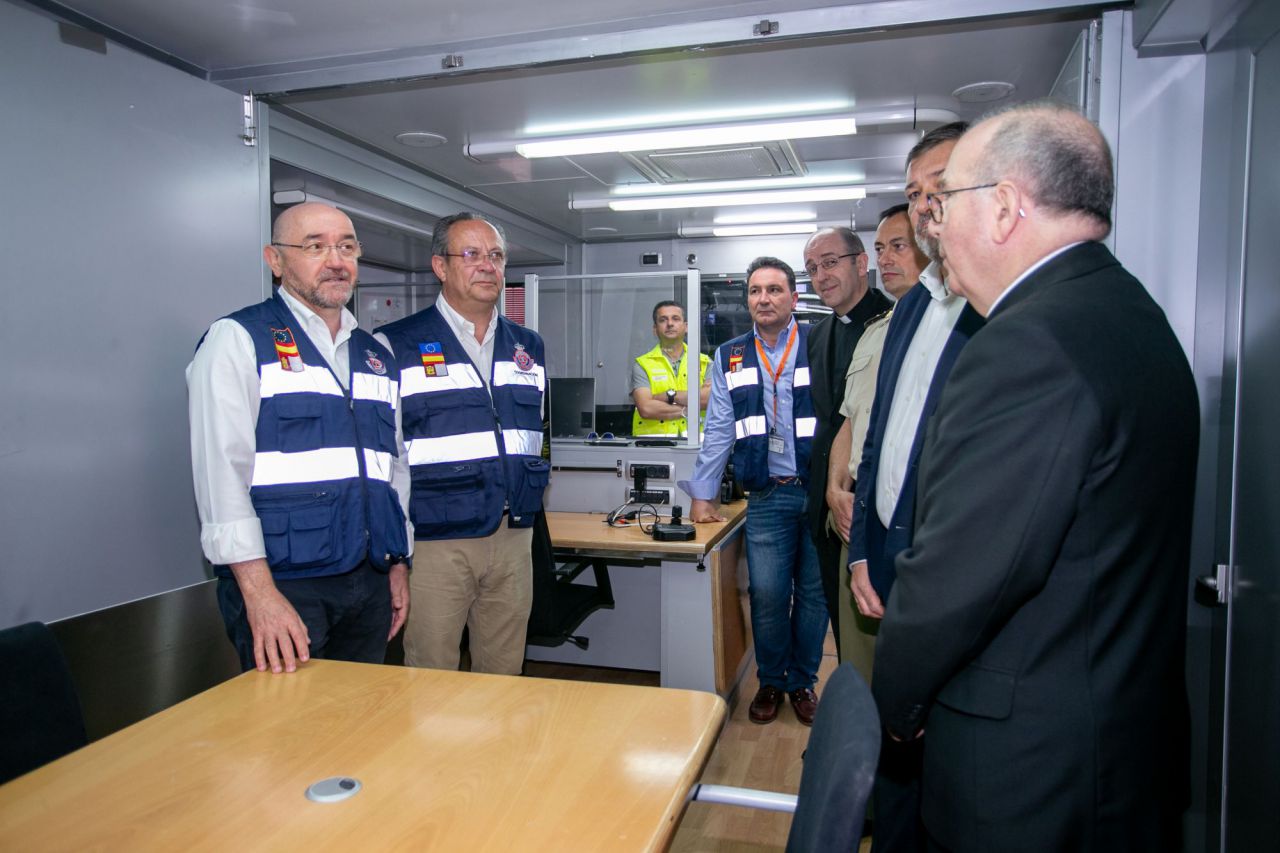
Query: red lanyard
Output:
(776,374)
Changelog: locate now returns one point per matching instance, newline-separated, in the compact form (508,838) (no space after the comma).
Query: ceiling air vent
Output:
(758,160)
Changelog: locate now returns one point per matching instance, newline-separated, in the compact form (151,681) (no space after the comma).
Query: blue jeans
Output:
(788,609)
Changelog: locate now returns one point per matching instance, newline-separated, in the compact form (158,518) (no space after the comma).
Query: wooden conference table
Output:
(704,636)
(446,760)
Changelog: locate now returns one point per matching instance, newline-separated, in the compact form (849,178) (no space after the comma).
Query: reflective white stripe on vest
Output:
(415,380)
(805,427)
(743,377)
(377,465)
(453,448)
(274,379)
(274,468)
(507,373)
(380,389)
(526,441)
(801,377)
(754,425)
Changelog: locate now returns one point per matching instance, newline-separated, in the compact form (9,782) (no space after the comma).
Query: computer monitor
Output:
(573,407)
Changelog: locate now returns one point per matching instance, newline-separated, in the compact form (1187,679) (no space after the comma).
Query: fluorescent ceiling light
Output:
(774,216)
(730,199)
(689,137)
(741,184)
(686,117)
(754,230)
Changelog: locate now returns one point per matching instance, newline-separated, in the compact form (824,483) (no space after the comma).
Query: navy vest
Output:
(744,374)
(322,468)
(471,454)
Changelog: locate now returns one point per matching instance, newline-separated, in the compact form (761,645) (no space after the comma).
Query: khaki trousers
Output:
(485,584)
(857,632)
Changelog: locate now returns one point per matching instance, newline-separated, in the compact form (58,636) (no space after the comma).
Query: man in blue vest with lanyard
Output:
(294,455)
(471,391)
(761,415)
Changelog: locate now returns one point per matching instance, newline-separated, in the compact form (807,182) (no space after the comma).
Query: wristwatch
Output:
(671,397)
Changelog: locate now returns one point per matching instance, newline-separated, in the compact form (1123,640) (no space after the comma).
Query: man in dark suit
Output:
(1036,631)
(836,262)
(930,325)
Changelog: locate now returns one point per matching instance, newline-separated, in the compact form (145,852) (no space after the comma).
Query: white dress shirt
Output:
(223,388)
(918,367)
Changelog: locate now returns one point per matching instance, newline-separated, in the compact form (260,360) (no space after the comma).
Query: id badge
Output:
(776,444)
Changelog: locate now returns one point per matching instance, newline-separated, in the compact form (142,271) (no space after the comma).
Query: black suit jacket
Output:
(1037,627)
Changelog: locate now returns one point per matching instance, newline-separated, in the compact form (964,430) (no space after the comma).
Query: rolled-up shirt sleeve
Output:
(718,435)
(222,388)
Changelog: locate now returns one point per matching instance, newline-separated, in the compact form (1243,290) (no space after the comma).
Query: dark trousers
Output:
(828,548)
(896,797)
(347,616)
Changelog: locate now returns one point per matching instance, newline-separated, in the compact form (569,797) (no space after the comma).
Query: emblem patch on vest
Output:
(735,358)
(433,359)
(287,350)
(375,363)
(523,360)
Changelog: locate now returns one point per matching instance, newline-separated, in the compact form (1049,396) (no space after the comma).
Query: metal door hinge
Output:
(250,134)
(1214,590)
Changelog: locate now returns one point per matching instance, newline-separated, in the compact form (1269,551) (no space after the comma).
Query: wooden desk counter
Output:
(704,633)
(587,532)
(447,760)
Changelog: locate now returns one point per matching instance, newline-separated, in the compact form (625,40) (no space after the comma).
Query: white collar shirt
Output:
(480,352)
(918,367)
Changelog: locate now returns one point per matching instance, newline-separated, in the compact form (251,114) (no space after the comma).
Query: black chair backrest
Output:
(40,717)
(559,606)
(839,767)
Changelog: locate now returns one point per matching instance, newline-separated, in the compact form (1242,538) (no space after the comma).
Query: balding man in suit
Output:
(1035,634)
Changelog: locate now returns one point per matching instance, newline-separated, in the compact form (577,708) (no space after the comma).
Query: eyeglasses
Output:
(315,250)
(471,257)
(828,263)
(935,199)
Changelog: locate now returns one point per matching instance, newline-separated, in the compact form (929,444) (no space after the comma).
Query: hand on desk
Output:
(398,577)
(703,511)
(280,638)
(864,594)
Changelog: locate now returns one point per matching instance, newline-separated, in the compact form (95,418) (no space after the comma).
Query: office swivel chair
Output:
(40,718)
(559,604)
(839,766)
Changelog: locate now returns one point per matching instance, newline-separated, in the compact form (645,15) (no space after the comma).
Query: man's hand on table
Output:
(280,639)
(703,511)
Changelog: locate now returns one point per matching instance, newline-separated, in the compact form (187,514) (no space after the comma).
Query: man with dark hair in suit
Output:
(930,325)
(899,261)
(836,263)
(1036,632)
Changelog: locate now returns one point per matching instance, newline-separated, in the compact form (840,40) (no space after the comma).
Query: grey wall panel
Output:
(131,221)
(1158,147)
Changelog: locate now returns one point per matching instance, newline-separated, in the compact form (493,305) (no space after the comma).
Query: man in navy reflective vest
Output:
(294,454)
(471,393)
(761,413)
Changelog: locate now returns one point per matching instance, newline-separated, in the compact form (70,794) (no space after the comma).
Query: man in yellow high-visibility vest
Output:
(658,378)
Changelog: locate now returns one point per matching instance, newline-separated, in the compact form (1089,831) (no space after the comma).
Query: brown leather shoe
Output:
(764,708)
(805,703)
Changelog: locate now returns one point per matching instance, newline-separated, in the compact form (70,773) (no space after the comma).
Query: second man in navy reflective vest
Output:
(471,391)
(761,414)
